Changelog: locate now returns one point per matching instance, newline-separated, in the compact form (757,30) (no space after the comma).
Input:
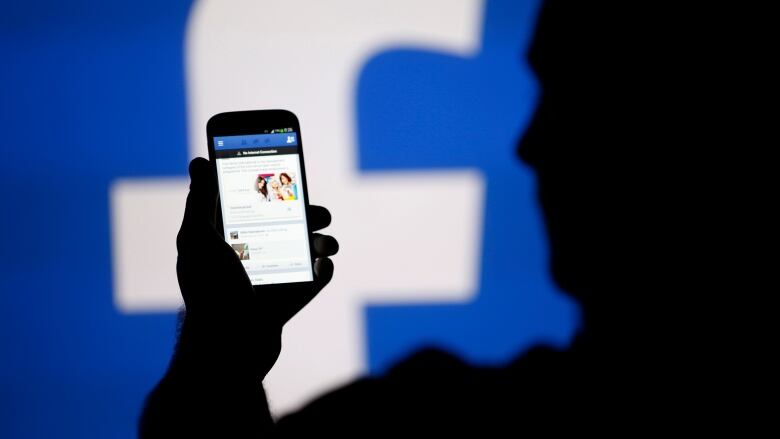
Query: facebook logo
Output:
(412,112)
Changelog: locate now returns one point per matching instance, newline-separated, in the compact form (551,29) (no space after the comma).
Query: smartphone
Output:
(263,200)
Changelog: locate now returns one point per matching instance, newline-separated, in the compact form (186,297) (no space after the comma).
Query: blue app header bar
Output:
(256,141)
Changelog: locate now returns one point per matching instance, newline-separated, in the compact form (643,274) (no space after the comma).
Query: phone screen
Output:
(263,209)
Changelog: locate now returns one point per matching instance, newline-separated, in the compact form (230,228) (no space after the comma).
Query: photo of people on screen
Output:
(242,250)
(277,187)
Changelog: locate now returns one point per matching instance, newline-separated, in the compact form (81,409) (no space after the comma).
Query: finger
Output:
(289,305)
(323,272)
(319,217)
(325,245)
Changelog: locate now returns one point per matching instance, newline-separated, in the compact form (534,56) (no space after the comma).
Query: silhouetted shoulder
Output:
(435,391)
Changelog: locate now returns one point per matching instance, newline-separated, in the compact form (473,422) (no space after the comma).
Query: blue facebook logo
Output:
(96,92)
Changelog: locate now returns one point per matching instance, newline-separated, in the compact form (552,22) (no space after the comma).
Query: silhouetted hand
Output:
(231,332)
(230,326)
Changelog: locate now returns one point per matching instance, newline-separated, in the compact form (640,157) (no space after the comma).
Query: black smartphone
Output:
(263,200)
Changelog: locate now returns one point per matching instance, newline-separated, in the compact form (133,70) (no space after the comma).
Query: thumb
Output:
(200,210)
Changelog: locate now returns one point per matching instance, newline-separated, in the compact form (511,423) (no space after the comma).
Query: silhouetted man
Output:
(595,99)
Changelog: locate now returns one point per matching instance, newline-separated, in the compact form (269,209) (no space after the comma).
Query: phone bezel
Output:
(236,123)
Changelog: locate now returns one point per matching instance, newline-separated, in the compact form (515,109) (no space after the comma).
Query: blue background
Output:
(88,86)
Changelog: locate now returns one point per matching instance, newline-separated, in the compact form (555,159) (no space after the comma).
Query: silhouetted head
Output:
(587,121)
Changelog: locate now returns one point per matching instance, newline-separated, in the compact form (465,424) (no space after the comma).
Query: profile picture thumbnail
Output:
(280,186)
(234,235)
(242,250)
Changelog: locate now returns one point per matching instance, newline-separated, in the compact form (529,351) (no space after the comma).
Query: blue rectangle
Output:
(256,141)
